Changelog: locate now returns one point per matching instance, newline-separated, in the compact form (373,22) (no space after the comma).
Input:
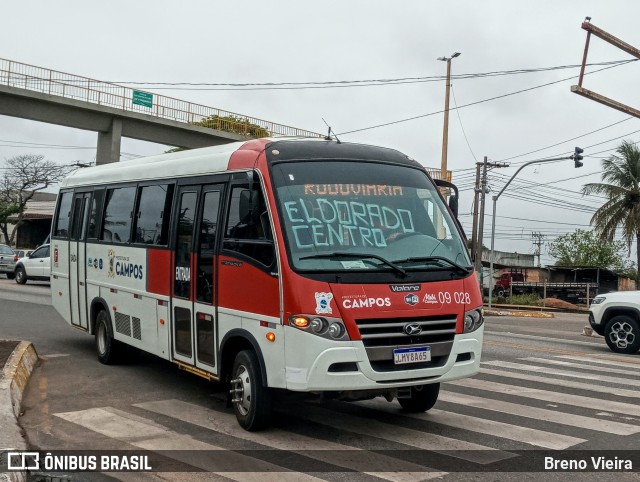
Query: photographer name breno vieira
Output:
(590,463)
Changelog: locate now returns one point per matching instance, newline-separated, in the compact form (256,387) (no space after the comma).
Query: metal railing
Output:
(437,174)
(52,82)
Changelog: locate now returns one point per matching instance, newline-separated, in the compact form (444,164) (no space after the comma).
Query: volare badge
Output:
(323,303)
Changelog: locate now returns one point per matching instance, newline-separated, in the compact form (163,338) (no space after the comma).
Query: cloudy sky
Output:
(291,41)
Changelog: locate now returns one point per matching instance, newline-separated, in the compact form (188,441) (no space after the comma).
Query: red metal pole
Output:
(584,58)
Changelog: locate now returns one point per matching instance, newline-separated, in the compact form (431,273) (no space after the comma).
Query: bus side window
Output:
(96,212)
(152,219)
(248,231)
(207,245)
(64,214)
(116,226)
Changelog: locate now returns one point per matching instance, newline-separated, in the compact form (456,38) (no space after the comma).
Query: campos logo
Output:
(364,302)
(323,303)
(430,299)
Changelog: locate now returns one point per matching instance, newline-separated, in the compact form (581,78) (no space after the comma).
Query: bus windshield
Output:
(345,215)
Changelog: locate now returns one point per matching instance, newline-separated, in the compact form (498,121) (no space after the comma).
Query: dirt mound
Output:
(556,303)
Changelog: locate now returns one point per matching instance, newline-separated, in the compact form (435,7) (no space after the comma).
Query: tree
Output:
(236,125)
(621,186)
(230,123)
(583,248)
(24,176)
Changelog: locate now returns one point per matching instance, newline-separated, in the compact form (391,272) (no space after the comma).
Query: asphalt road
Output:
(544,390)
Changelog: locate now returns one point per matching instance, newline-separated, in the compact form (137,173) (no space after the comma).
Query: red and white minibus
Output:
(305,265)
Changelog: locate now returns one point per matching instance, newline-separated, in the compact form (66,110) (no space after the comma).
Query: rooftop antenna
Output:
(329,133)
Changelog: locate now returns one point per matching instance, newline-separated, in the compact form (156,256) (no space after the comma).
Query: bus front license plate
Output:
(419,354)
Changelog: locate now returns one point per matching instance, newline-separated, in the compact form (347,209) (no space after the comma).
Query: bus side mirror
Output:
(453,198)
(453,205)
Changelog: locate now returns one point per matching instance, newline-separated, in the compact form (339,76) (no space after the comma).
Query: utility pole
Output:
(538,241)
(476,198)
(445,129)
(484,190)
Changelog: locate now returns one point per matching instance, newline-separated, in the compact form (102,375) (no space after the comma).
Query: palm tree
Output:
(621,176)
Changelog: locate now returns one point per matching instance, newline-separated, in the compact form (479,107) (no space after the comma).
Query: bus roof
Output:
(209,160)
(190,162)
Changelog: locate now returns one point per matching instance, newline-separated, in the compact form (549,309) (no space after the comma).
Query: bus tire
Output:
(251,399)
(108,349)
(423,398)
(622,334)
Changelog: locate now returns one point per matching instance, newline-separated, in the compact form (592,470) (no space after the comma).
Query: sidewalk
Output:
(18,359)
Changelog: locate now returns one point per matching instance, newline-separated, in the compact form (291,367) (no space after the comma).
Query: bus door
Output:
(77,259)
(194,316)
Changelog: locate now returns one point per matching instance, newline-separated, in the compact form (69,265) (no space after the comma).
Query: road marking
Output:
(531,347)
(54,355)
(415,438)
(509,334)
(621,392)
(582,366)
(553,397)
(148,435)
(531,436)
(563,373)
(542,414)
(614,361)
(318,449)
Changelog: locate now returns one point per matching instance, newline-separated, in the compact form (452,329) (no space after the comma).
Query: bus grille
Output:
(128,325)
(123,323)
(137,333)
(381,336)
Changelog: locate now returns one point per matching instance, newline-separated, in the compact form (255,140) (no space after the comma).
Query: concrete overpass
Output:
(114,111)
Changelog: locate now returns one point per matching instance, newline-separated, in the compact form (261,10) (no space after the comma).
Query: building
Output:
(36,224)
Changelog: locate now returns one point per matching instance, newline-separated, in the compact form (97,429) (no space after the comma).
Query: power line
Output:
(351,83)
(478,102)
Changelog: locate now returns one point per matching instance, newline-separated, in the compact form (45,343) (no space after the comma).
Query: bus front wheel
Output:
(423,398)
(250,398)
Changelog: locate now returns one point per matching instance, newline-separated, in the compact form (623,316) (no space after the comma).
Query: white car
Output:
(616,316)
(34,266)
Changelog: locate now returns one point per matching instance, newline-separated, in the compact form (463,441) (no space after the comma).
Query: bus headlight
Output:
(473,320)
(318,325)
(330,328)
(336,330)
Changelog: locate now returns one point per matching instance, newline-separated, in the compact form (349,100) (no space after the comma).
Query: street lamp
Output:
(445,130)
(576,157)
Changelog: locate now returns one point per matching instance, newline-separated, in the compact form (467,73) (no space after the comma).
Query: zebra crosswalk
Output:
(509,409)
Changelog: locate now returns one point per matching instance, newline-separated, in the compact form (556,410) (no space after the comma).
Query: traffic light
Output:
(577,156)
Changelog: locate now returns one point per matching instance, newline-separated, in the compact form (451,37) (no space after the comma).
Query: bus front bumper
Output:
(320,365)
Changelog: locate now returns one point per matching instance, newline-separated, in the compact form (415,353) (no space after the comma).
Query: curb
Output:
(522,314)
(13,382)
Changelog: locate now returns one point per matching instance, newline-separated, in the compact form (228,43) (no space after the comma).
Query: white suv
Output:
(616,316)
(34,266)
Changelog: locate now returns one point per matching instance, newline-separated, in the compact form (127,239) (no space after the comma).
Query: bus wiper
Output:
(357,255)
(464,269)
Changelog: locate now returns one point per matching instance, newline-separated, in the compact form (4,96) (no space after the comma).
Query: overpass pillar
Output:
(109,143)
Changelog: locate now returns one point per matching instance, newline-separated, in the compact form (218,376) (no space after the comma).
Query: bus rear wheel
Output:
(423,398)
(107,349)
(250,398)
